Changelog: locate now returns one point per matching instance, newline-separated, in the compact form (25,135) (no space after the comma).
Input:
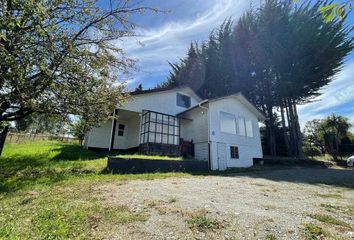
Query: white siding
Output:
(164,102)
(195,128)
(99,137)
(201,151)
(249,147)
(195,125)
(130,138)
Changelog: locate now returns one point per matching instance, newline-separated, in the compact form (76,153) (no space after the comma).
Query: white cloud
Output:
(169,42)
(337,97)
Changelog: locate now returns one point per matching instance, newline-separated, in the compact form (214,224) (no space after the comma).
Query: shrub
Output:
(311,151)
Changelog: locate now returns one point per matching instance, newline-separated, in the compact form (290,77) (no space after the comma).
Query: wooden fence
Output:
(27,137)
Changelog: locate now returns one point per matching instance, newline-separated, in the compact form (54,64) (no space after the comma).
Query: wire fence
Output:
(16,138)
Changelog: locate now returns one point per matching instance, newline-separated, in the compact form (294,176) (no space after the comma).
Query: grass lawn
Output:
(46,192)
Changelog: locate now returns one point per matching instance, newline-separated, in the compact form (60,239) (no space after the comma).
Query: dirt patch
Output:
(274,204)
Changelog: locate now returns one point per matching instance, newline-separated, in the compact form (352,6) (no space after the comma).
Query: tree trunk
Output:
(299,139)
(285,136)
(3,135)
(270,131)
(291,149)
(292,131)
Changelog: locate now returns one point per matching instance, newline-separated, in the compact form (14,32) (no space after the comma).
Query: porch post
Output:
(114,124)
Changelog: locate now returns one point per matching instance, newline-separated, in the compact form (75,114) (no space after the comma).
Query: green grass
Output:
(271,237)
(200,221)
(60,212)
(330,195)
(329,220)
(47,191)
(329,207)
(49,162)
(314,232)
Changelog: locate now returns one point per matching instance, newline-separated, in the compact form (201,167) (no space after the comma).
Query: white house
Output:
(223,131)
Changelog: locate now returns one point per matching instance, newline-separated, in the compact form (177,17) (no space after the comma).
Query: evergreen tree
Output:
(279,56)
(139,88)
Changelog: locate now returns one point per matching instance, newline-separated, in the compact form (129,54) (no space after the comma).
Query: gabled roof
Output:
(158,90)
(260,115)
(153,90)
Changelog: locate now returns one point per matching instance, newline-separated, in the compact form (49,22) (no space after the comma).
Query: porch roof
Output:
(260,115)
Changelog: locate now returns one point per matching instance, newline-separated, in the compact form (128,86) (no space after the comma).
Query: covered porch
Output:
(148,132)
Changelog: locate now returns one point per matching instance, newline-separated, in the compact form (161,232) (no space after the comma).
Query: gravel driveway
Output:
(271,204)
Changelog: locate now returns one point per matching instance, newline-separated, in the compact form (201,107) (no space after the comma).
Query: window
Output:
(227,123)
(183,100)
(159,128)
(121,128)
(234,152)
(249,128)
(241,126)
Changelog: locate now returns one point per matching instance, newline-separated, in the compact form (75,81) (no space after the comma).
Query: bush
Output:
(311,151)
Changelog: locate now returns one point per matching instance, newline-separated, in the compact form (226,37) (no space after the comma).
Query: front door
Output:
(120,140)
(221,149)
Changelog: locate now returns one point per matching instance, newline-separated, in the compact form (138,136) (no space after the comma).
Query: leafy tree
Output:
(24,124)
(312,136)
(311,151)
(335,9)
(79,129)
(60,57)
(329,132)
(333,129)
(43,123)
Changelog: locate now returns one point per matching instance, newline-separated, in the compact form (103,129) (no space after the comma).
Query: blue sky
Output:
(165,37)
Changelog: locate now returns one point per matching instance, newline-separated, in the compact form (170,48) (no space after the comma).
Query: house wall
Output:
(164,102)
(195,128)
(99,137)
(249,147)
(130,138)
(201,151)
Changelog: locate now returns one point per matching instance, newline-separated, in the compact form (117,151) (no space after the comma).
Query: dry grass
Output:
(330,195)
(329,220)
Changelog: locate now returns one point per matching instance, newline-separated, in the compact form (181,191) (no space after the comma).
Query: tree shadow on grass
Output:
(17,162)
(21,170)
(77,153)
(18,171)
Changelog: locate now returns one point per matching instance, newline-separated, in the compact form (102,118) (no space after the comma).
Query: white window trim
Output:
(124,130)
(236,125)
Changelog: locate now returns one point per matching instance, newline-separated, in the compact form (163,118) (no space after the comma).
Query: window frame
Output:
(234,152)
(189,102)
(162,124)
(234,121)
(121,130)
(249,123)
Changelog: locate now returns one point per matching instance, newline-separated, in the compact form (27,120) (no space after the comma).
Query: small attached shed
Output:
(225,131)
